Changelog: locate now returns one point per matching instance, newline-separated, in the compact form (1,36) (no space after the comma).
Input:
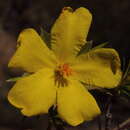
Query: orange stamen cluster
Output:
(65,70)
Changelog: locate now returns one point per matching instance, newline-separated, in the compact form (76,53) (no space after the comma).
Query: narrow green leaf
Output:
(17,78)
(127,71)
(100,45)
(125,92)
(87,47)
(127,87)
(13,79)
(26,74)
(46,37)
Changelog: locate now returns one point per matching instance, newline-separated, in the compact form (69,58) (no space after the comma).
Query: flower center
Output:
(61,73)
(65,70)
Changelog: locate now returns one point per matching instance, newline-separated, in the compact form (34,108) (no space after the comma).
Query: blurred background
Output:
(111,23)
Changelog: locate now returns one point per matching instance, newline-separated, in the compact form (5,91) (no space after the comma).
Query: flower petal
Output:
(32,53)
(69,32)
(76,104)
(98,68)
(34,94)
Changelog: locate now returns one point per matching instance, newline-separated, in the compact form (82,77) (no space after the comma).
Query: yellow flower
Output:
(57,73)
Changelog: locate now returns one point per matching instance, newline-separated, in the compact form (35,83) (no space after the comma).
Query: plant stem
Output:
(108,114)
(49,125)
(123,125)
(58,127)
(99,123)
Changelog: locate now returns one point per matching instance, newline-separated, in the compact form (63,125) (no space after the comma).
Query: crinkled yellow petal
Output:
(69,32)
(75,104)
(98,68)
(32,54)
(34,94)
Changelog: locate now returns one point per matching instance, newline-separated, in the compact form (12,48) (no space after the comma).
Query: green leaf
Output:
(87,47)
(127,71)
(46,37)
(125,93)
(124,90)
(100,45)
(17,78)
(127,87)
(13,79)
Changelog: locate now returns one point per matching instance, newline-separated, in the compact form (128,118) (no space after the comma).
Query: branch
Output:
(108,114)
(99,123)
(123,125)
